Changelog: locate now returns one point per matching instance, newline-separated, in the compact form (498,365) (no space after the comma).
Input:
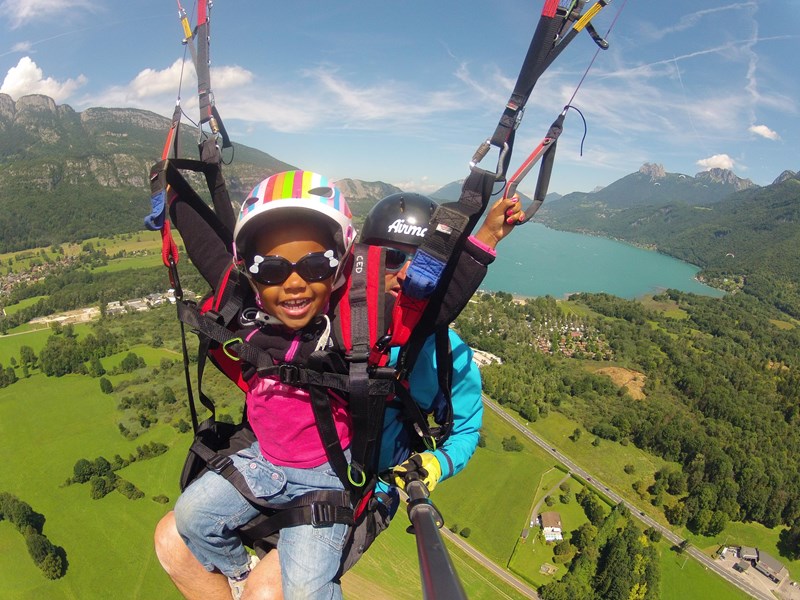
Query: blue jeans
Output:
(211,509)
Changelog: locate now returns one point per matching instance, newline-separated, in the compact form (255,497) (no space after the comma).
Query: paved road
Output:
(667,533)
(521,587)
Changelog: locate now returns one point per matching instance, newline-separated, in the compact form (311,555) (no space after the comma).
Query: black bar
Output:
(439,578)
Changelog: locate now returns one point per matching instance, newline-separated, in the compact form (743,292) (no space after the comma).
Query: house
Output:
(748,553)
(742,566)
(551,526)
(771,567)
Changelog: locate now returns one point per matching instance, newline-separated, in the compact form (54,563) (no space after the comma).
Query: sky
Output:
(405,91)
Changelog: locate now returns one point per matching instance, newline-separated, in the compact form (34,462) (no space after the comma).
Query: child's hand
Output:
(500,221)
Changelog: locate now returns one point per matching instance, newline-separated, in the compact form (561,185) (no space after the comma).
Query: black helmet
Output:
(400,218)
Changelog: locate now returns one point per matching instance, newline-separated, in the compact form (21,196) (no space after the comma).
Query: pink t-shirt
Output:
(283,421)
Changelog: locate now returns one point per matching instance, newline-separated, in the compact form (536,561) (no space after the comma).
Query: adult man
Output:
(397,222)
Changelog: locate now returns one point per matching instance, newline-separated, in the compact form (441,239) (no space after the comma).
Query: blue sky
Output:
(403,92)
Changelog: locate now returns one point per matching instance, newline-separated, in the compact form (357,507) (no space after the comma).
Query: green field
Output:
(607,462)
(15,308)
(683,578)
(47,424)
(494,494)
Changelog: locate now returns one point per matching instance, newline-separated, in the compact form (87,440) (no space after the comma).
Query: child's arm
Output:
(205,247)
(500,221)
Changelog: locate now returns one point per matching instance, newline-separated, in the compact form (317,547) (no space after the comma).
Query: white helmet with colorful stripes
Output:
(307,194)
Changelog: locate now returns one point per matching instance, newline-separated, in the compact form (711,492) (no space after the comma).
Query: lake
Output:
(537,261)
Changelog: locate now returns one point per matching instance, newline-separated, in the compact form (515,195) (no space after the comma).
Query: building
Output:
(771,567)
(742,566)
(748,553)
(481,358)
(551,526)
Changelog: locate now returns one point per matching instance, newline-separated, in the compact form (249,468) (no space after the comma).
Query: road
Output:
(522,588)
(706,561)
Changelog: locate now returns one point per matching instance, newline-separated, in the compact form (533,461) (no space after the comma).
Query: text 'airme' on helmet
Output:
(401,218)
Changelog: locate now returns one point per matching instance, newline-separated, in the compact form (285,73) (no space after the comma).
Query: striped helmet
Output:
(308,194)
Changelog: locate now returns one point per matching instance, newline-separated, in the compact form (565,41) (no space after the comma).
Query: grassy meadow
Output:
(47,424)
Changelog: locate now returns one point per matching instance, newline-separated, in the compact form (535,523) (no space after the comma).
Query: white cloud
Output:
(718,161)
(25,11)
(22,47)
(28,78)
(764,132)
(156,90)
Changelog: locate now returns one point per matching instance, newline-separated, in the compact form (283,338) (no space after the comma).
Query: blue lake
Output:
(537,261)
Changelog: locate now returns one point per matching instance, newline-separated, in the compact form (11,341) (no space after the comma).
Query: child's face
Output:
(296,302)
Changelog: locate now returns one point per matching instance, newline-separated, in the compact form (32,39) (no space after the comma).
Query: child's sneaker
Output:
(237,586)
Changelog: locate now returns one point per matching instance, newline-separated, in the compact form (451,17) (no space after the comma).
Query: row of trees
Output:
(101,476)
(51,559)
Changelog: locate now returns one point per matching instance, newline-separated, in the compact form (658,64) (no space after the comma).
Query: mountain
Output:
(651,185)
(784,176)
(362,195)
(452,192)
(67,175)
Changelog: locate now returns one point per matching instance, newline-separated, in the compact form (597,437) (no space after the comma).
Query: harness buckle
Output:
(218,463)
(289,374)
(322,514)
(379,350)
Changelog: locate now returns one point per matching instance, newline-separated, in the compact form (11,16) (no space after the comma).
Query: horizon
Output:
(685,86)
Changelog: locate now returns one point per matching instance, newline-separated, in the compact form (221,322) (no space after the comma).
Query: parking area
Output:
(758,580)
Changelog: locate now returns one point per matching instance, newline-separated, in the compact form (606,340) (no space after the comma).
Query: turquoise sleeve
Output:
(467,404)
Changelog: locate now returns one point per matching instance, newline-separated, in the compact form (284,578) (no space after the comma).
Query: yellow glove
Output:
(424,467)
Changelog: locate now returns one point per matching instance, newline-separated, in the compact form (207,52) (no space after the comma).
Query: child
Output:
(292,238)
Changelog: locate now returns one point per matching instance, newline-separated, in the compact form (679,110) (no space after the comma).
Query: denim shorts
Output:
(210,510)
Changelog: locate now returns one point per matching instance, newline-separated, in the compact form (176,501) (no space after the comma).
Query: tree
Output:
(82,471)
(100,487)
(466,532)
(106,386)
(53,566)
(789,542)
(583,536)
(576,434)
(512,444)
(96,368)
(101,466)
(629,469)
(563,547)
(38,546)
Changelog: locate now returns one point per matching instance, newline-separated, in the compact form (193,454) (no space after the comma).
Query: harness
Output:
(365,327)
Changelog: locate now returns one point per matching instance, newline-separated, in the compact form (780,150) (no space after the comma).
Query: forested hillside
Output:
(67,176)
(722,384)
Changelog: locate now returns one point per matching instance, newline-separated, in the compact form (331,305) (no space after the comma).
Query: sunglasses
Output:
(274,270)
(395,259)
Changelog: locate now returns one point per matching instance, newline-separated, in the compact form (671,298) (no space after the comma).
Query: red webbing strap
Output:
(405,316)
(169,249)
(375,289)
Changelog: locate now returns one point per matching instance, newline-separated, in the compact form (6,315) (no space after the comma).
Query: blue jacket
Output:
(424,387)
